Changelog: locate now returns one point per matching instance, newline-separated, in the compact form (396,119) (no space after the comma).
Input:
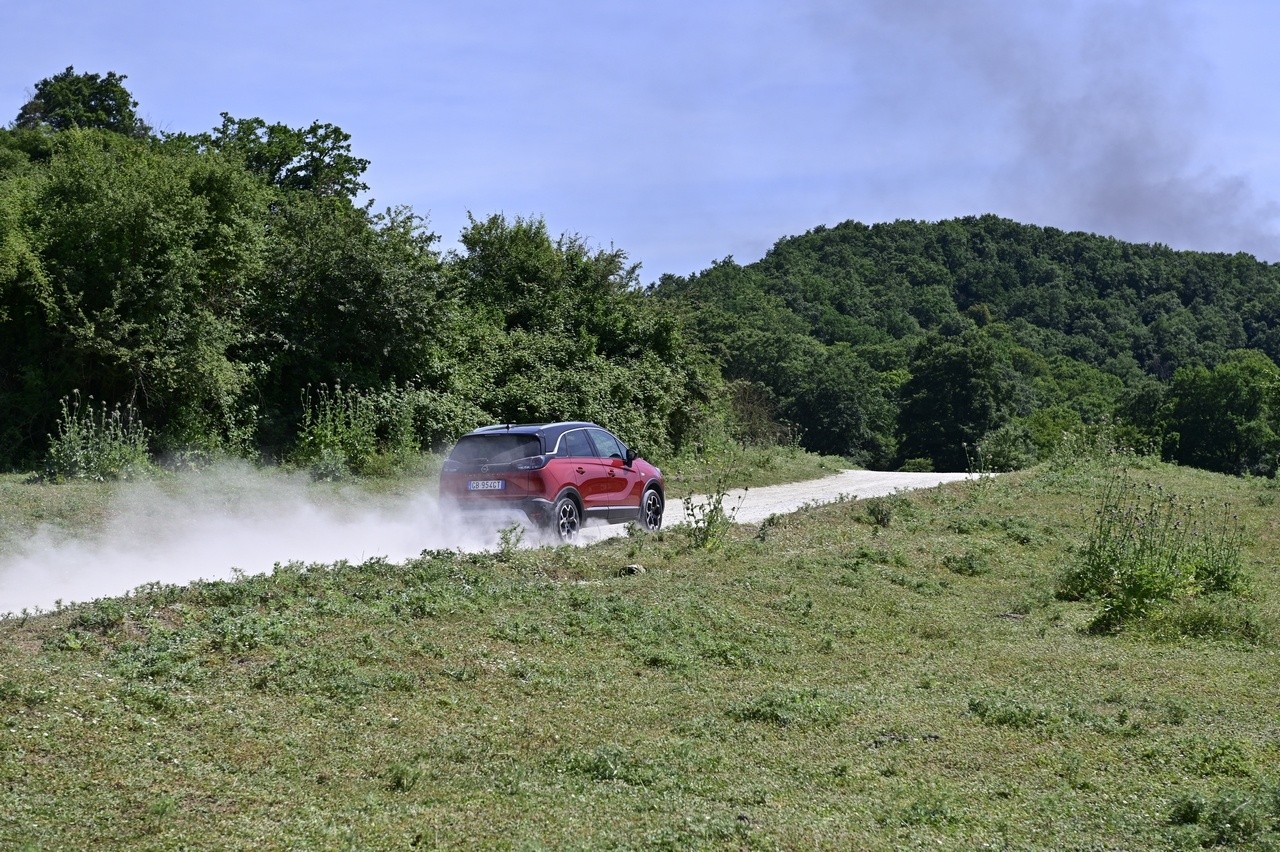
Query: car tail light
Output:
(531,463)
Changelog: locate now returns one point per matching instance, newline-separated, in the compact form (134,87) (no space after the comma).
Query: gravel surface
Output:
(756,504)
(241,522)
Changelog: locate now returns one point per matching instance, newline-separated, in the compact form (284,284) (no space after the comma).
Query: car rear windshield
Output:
(495,449)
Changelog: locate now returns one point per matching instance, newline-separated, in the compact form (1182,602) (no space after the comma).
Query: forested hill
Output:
(916,340)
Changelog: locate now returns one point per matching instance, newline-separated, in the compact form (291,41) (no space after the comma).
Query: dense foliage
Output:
(215,283)
(979,338)
(218,283)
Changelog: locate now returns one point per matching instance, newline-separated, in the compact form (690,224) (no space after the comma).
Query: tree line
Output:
(227,289)
(220,284)
(983,341)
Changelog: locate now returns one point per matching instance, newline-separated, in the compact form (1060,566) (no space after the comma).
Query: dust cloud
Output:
(236,520)
(1081,115)
(222,522)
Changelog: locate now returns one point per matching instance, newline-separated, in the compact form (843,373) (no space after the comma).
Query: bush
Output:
(99,444)
(370,432)
(804,708)
(709,521)
(882,510)
(967,564)
(1231,817)
(339,432)
(1007,448)
(1147,550)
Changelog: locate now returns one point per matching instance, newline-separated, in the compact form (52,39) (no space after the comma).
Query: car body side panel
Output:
(620,480)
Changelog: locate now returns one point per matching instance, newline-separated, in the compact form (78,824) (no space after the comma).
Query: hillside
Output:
(867,674)
(917,340)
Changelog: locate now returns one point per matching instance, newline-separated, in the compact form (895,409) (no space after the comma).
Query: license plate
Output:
(487,485)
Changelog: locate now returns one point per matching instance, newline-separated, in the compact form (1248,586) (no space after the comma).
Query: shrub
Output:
(1095,443)
(1004,711)
(1216,616)
(339,432)
(96,443)
(1007,448)
(967,564)
(803,708)
(880,511)
(1148,549)
(1231,817)
(709,521)
(101,616)
(349,430)
(440,418)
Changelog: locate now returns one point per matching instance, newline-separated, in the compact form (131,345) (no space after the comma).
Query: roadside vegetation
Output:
(927,668)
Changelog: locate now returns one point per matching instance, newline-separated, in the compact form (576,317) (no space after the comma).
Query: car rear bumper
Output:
(536,509)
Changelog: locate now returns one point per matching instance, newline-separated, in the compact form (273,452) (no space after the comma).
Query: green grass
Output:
(830,679)
(26,505)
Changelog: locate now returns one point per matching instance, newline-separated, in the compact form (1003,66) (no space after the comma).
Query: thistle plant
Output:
(339,431)
(1148,548)
(96,441)
(709,521)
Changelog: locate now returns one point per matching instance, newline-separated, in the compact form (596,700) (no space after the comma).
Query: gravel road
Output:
(756,504)
(239,521)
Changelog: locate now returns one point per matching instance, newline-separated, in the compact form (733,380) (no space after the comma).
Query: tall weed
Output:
(353,431)
(708,519)
(1147,549)
(96,442)
(1098,445)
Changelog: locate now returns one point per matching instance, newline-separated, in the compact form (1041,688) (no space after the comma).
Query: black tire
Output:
(566,519)
(651,508)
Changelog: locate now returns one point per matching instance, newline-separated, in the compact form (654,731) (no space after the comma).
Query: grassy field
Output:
(874,674)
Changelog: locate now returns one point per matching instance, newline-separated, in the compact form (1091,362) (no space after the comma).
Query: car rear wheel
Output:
(651,506)
(566,518)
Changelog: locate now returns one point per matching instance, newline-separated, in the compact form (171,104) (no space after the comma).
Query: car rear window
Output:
(495,449)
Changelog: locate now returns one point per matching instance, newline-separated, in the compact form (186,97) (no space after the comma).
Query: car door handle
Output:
(582,470)
(611,473)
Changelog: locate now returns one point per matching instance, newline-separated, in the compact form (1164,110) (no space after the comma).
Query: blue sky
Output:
(686,132)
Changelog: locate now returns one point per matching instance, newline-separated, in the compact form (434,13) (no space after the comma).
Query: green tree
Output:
(132,285)
(844,406)
(316,159)
(1225,419)
(537,282)
(86,101)
(558,330)
(960,389)
(25,403)
(344,297)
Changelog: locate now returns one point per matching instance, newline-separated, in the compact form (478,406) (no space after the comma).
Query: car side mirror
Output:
(632,455)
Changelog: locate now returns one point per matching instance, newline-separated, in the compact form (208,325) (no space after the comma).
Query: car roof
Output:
(550,432)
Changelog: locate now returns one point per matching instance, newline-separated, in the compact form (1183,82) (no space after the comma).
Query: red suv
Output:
(558,474)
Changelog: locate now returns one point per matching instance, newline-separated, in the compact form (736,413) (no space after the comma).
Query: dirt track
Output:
(756,504)
(241,521)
